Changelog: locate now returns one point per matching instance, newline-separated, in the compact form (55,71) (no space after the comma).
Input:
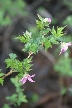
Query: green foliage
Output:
(67,38)
(34,44)
(11,61)
(18,66)
(68,20)
(31,44)
(1,74)
(41,23)
(68,3)
(47,44)
(42,40)
(9,9)
(12,56)
(59,32)
(26,66)
(19,97)
(6,106)
(54,40)
(63,66)
(16,83)
(1,79)
(34,98)
(56,35)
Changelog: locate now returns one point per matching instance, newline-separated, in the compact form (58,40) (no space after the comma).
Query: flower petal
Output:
(68,44)
(32,75)
(21,80)
(64,47)
(30,79)
(49,20)
(61,51)
(24,81)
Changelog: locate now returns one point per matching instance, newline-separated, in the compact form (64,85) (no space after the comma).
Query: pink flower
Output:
(27,76)
(47,20)
(64,47)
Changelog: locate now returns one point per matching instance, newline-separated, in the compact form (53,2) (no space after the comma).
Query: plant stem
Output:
(30,53)
(7,74)
(11,71)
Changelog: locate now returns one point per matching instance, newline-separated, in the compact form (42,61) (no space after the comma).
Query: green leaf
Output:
(53,31)
(40,18)
(1,81)
(12,98)
(6,106)
(21,38)
(22,98)
(15,81)
(34,48)
(9,62)
(12,56)
(40,25)
(1,74)
(47,44)
(59,32)
(53,40)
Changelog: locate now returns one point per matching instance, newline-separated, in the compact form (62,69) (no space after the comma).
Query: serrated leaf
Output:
(59,32)
(47,44)
(52,40)
(8,62)
(12,56)
(21,38)
(53,31)
(40,18)
(33,48)
(40,25)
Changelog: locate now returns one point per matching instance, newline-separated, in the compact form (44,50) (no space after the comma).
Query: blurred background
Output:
(53,73)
